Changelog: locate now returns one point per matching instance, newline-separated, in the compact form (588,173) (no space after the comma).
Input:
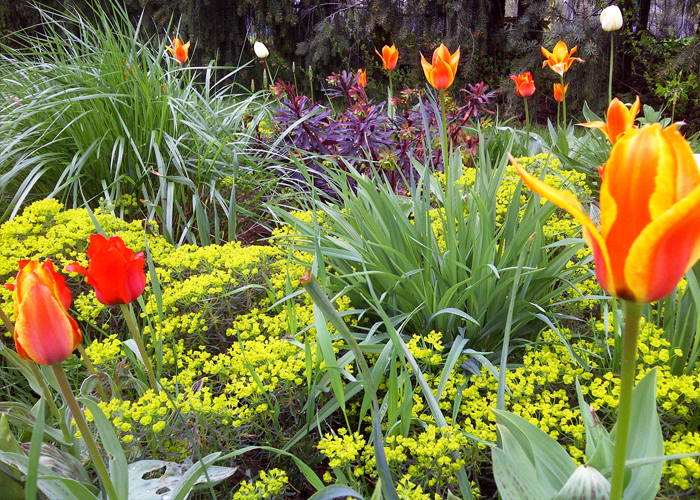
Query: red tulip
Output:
(44,332)
(114,271)
(524,85)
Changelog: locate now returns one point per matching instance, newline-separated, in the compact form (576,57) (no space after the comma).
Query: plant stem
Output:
(390,108)
(612,39)
(563,101)
(444,135)
(84,430)
(527,125)
(52,405)
(139,344)
(633,313)
(92,371)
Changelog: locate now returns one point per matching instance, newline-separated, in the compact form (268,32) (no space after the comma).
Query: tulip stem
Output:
(84,430)
(612,41)
(633,314)
(92,371)
(563,101)
(444,135)
(390,108)
(527,125)
(139,344)
(52,405)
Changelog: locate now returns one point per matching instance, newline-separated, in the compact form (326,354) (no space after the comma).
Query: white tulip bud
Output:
(261,51)
(611,18)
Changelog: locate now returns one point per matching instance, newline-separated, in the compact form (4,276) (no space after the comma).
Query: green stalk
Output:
(139,344)
(633,313)
(612,39)
(563,95)
(52,405)
(6,321)
(390,108)
(501,393)
(444,133)
(92,371)
(84,430)
(527,125)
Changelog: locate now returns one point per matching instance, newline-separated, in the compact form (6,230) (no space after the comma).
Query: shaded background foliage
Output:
(497,38)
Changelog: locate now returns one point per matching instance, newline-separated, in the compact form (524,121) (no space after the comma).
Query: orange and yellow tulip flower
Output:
(115,271)
(441,73)
(389,56)
(559,93)
(44,332)
(620,119)
(179,50)
(524,84)
(559,59)
(650,214)
(362,77)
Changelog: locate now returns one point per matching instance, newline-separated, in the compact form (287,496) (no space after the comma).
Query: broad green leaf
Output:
(646,440)
(552,464)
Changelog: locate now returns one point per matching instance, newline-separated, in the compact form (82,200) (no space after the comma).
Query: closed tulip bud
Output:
(260,50)
(114,271)
(524,85)
(611,18)
(44,332)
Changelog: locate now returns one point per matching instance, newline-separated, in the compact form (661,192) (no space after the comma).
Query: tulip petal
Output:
(441,77)
(44,333)
(677,175)
(567,201)
(665,250)
(427,67)
(602,126)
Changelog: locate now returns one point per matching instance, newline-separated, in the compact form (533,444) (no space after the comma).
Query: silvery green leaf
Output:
(599,446)
(61,463)
(159,487)
(645,441)
(550,463)
(586,483)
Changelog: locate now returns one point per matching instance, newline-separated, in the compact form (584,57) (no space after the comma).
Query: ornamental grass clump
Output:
(442,261)
(100,112)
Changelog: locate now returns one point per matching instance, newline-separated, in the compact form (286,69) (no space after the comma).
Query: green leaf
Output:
(514,474)
(335,491)
(9,478)
(599,446)
(551,464)
(646,440)
(117,461)
(170,479)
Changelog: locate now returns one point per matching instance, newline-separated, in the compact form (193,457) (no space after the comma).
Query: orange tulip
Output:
(44,332)
(362,77)
(620,119)
(559,59)
(650,214)
(115,272)
(389,56)
(441,73)
(179,51)
(524,85)
(558,94)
